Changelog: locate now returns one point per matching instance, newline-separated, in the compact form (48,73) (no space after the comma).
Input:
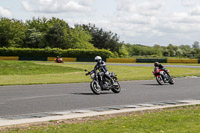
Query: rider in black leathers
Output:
(101,66)
(161,67)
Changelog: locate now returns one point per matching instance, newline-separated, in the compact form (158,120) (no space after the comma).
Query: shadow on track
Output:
(90,94)
(152,84)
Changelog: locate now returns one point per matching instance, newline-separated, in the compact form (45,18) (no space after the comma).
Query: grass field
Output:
(31,68)
(173,120)
(26,72)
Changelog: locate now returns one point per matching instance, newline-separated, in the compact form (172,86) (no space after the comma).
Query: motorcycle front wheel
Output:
(96,89)
(117,88)
(159,79)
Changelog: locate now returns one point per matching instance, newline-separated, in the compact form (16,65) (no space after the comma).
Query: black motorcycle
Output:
(101,83)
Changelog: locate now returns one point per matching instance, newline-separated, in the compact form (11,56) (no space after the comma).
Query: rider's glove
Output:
(87,73)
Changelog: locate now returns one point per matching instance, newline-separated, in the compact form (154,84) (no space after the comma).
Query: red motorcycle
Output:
(59,60)
(162,77)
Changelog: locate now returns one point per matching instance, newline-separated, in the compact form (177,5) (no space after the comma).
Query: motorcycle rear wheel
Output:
(94,87)
(171,81)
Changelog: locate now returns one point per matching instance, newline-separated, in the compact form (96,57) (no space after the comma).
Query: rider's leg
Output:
(108,76)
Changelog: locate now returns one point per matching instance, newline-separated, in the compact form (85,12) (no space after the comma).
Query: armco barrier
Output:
(120,60)
(64,59)
(151,60)
(33,58)
(9,58)
(182,61)
(87,59)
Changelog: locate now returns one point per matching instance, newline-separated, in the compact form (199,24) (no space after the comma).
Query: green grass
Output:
(31,68)
(26,72)
(174,120)
(138,72)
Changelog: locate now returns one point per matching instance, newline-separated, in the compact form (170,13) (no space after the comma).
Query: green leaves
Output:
(40,33)
(12,33)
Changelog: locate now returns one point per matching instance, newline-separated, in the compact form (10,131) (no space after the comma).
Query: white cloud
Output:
(144,8)
(26,6)
(195,11)
(57,6)
(157,21)
(5,12)
(135,21)
(189,3)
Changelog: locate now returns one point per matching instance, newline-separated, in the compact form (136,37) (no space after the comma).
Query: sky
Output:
(146,22)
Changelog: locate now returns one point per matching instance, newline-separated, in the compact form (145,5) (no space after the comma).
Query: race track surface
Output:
(28,99)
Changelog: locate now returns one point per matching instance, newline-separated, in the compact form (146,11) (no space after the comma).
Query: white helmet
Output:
(98,58)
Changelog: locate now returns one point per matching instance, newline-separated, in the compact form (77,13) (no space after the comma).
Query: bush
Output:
(52,52)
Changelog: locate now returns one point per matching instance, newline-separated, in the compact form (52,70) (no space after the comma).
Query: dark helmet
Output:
(156,64)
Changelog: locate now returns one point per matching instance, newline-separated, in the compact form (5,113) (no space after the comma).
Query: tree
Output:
(40,24)
(186,50)
(34,39)
(172,50)
(123,52)
(103,39)
(195,45)
(35,35)
(79,39)
(12,33)
(57,34)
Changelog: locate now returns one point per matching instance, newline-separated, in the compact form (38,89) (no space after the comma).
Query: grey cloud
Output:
(87,2)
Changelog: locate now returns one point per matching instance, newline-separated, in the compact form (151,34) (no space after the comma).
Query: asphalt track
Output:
(30,99)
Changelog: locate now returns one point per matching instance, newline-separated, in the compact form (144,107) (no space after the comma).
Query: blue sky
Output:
(146,22)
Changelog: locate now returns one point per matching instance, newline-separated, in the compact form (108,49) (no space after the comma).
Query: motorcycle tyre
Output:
(159,80)
(116,89)
(171,81)
(95,90)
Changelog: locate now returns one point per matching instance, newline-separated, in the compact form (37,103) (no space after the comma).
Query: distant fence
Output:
(120,60)
(110,60)
(182,61)
(9,58)
(151,60)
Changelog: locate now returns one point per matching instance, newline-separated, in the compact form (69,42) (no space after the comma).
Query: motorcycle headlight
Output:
(92,75)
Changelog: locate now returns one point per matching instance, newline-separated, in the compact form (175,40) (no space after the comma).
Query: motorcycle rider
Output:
(161,67)
(101,66)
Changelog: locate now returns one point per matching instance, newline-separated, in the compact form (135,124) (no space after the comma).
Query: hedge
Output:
(53,52)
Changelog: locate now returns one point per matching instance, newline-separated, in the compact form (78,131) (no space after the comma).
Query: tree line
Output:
(56,33)
(182,51)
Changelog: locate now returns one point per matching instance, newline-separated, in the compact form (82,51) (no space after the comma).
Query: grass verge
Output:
(177,120)
(25,73)
(31,68)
